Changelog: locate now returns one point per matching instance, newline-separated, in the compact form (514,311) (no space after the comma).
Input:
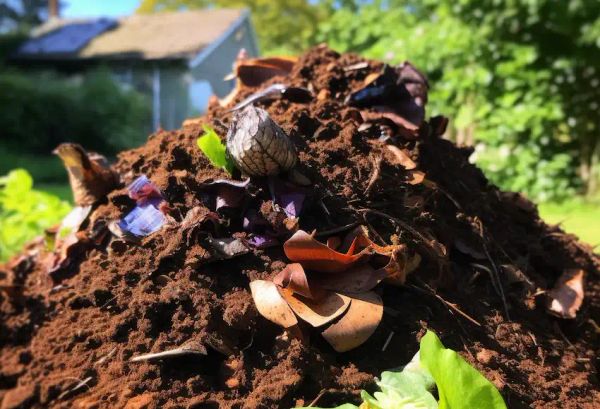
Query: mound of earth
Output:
(487,262)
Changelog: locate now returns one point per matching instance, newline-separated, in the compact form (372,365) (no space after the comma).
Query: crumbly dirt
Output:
(66,339)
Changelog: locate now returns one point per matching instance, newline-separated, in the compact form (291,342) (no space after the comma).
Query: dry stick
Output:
(375,233)
(375,175)
(387,341)
(405,226)
(496,275)
(337,229)
(453,306)
(319,396)
(105,357)
(401,223)
(172,353)
(357,66)
(80,385)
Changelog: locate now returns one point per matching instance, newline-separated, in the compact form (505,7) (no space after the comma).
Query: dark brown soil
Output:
(118,299)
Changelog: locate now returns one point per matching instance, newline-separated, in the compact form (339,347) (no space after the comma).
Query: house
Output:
(176,59)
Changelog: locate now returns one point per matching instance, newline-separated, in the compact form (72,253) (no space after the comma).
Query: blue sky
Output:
(87,8)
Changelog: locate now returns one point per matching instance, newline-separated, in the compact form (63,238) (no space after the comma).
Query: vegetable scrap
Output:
(210,144)
(257,145)
(396,96)
(226,193)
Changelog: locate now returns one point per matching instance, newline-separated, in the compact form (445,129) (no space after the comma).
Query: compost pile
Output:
(436,246)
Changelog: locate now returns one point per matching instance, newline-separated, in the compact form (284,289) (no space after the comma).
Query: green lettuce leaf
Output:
(210,144)
(408,389)
(459,385)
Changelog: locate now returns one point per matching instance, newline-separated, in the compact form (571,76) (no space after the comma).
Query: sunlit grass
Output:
(577,217)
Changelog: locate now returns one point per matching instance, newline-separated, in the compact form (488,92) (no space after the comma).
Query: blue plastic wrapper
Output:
(142,220)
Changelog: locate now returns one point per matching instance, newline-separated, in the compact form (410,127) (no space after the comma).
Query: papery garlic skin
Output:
(257,145)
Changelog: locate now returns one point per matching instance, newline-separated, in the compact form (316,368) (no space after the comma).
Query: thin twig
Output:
(453,306)
(337,229)
(375,175)
(375,232)
(430,248)
(399,222)
(105,357)
(80,385)
(172,353)
(358,66)
(319,396)
(496,275)
(387,341)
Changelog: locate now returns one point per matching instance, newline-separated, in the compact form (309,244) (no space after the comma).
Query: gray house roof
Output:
(162,36)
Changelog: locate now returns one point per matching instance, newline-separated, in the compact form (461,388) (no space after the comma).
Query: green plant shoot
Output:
(210,144)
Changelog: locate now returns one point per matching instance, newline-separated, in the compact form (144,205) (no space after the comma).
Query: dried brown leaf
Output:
(358,324)
(357,279)
(415,177)
(317,312)
(314,255)
(401,157)
(567,295)
(271,305)
(89,174)
(293,278)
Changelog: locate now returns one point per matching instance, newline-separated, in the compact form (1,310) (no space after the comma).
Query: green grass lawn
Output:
(577,217)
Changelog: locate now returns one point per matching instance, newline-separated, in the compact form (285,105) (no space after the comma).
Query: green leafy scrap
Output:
(210,144)
(408,389)
(459,385)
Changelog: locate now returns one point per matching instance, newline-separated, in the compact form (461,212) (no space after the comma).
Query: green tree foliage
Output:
(25,212)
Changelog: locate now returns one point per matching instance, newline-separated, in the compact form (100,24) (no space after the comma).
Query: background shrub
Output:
(41,110)
(25,212)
